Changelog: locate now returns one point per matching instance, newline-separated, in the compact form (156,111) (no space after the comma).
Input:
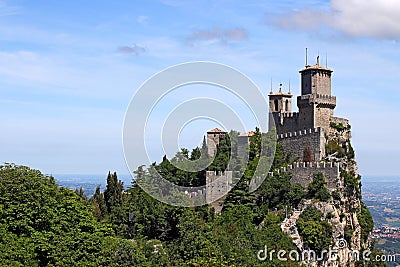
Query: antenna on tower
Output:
(326,59)
(289,86)
(318,58)
(306,56)
(271,86)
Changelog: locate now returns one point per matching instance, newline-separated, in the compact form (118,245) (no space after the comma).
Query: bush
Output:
(338,126)
(317,189)
(333,147)
(316,233)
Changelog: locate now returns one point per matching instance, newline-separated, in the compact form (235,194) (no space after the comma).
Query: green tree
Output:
(317,188)
(43,224)
(99,205)
(316,232)
(366,222)
(113,192)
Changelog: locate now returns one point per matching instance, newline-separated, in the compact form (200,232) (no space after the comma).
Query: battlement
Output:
(218,173)
(314,165)
(303,97)
(299,133)
(327,100)
(302,173)
(219,183)
(289,114)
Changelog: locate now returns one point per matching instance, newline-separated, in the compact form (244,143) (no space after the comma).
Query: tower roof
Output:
(248,134)
(280,93)
(216,130)
(315,67)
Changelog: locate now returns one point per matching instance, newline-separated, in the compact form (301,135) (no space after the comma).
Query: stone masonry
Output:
(303,134)
(218,184)
(306,130)
(213,138)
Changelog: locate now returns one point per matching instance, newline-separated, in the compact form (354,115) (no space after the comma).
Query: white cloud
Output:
(218,36)
(373,18)
(134,49)
(354,18)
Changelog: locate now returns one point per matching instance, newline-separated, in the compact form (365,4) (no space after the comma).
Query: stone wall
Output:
(306,116)
(323,116)
(294,143)
(213,139)
(303,172)
(285,122)
(218,184)
(322,82)
(243,145)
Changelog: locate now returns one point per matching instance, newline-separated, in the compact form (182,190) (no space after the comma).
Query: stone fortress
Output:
(302,134)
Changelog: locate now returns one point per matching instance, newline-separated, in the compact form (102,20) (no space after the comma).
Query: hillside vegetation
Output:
(43,224)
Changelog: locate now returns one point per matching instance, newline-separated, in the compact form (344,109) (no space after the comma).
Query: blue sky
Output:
(68,69)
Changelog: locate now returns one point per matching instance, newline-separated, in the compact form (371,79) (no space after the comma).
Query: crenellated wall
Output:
(302,173)
(295,143)
(285,121)
(218,184)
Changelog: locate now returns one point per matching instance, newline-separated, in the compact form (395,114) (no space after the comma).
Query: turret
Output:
(316,103)
(280,102)
(213,138)
(316,80)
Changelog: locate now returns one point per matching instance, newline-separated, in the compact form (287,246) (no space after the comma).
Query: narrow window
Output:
(276,104)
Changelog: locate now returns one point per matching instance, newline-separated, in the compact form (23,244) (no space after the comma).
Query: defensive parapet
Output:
(289,114)
(218,184)
(302,173)
(326,100)
(299,133)
(284,121)
(298,143)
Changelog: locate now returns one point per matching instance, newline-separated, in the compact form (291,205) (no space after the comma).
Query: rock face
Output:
(315,141)
(318,142)
(340,210)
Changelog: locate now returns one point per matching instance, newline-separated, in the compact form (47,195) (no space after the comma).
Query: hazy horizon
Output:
(68,73)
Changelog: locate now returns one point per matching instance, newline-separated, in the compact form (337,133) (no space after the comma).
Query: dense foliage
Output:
(315,231)
(43,224)
(317,188)
(366,222)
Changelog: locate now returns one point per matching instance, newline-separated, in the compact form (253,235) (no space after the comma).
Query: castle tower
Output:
(280,105)
(213,138)
(280,102)
(316,103)
(316,80)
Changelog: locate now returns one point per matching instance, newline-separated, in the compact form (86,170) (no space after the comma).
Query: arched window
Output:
(307,155)
(287,105)
(276,104)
